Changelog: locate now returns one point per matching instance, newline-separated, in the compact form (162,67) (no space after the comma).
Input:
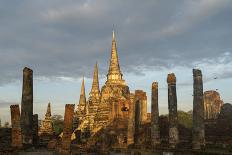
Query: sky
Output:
(62,40)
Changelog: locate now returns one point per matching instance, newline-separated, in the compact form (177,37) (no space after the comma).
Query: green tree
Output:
(185,119)
(58,122)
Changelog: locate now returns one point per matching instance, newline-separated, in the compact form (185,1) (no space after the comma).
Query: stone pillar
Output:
(35,129)
(172,107)
(155,131)
(198,110)
(67,131)
(131,121)
(142,98)
(137,120)
(27,106)
(16,135)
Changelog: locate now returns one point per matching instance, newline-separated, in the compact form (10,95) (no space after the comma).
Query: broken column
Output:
(198,110)
(141,96)
(172,107)
(67,131)
(27,106)
(35,129)
(137,120)
(131,121)
(16,135)
(155,132)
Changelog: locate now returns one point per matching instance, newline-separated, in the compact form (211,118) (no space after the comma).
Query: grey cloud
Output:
(65,38)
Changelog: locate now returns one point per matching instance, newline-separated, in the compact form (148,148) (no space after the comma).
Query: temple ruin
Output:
(67,131)
(46,127)
(172,107)
(198,111)
(212,104)
(16,132)
(115,119)
(155,131)
(27,107)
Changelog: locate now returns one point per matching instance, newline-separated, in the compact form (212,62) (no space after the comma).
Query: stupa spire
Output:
(82,100)
(95,85)
(48,113)
(114,72)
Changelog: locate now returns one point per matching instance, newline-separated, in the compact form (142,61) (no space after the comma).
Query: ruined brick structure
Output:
(16,134)
(94,97)
(131,121)
(67,131)
(27,106)
(109,109)
(115,94)
(155,130)
(46,127)
(87,110)
(198,110)
(212,104)
(35,129)
(172,107)
(141,97)
(81,110)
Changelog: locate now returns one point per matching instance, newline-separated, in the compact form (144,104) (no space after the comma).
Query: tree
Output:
(185,119)
(58,122)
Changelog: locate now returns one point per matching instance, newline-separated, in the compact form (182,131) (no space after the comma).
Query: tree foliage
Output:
(58,122)
(185,119)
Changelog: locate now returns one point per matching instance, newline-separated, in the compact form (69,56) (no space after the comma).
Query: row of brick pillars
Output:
(25,126)
(198,114)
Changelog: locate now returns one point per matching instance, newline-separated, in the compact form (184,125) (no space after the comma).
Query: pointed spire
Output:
(82,100)
(113,36)
(95,85)
(83,87)
(48,113)
(114,69)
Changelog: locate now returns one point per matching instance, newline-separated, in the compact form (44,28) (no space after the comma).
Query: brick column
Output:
(172,107)
(198,110)
(16,134)
(131,121)
(67,131)
(27,106)
(35,129)
(155,131)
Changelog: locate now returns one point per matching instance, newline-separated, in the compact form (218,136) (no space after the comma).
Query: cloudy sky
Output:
(61,41)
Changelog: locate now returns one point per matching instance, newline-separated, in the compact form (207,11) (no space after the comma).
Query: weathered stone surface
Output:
(46,128)
(141,97)
(226,111)
(218,131)
(115,94)
(86,118)
(113,110)
(172,107)
(155,132)
(52,144)
(94,97)
(137,121)
(212,104)
(16,134)
(67,131)
(198,110)
(5,138)
(131,121)
(114,75)
(35,129)
(80,113)
(27,106)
